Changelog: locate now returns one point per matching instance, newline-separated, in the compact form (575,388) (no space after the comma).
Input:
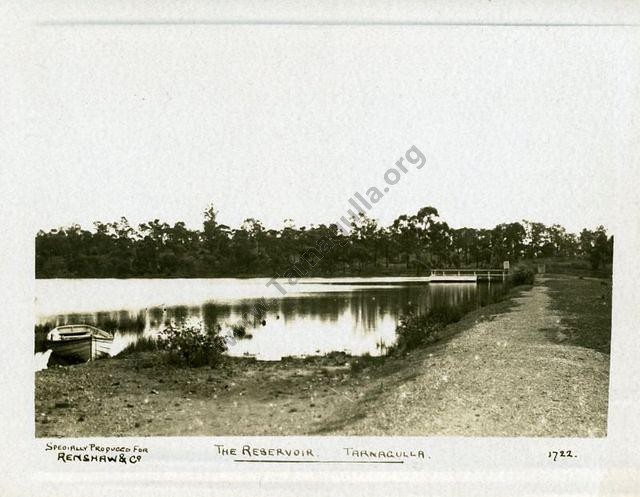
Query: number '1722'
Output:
(556,454)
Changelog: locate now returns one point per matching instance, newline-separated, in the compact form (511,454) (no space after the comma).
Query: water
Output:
(316,316)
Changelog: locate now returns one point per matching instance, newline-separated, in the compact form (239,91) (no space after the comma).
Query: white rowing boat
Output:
(79,341)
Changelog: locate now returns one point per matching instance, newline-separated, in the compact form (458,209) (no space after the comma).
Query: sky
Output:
(288,122)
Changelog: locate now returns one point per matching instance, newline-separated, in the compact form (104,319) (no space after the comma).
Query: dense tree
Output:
(412,243)
(600,252)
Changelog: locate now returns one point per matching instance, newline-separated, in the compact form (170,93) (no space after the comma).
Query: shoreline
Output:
(333,394)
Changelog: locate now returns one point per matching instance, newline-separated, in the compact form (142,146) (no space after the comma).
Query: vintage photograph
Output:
(373,231)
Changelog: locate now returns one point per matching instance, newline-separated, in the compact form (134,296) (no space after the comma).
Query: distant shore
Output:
(568,266)
(535,366)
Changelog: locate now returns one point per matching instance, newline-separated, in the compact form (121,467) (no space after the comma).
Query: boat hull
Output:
(81,349)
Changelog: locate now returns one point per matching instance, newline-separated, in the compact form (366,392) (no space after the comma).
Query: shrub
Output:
(522,276)
(192,346)
(414,331)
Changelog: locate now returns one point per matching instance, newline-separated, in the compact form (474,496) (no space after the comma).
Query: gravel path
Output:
(511,375)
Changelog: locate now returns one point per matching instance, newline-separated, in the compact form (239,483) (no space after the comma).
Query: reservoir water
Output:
(316,316)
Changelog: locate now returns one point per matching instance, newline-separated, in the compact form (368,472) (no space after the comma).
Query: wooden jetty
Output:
(467,275)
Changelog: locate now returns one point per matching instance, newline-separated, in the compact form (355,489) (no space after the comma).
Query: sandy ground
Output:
(505,370)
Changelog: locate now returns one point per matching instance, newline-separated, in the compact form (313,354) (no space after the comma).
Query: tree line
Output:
(412,244)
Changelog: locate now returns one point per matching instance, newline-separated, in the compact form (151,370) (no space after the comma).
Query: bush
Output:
(192,346)
(414,331)
(522,276)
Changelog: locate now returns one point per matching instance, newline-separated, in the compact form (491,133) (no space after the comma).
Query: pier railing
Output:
(481,274)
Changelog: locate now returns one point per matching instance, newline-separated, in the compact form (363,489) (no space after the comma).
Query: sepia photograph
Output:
(365,248)
(323,231)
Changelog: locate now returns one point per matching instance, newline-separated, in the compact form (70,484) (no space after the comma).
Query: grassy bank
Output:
(574,267)
(585,306)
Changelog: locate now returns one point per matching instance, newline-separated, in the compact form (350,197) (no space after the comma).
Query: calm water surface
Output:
(316,316)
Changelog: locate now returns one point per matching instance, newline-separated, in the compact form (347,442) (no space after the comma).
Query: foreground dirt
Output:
(504,370)
(140,396)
